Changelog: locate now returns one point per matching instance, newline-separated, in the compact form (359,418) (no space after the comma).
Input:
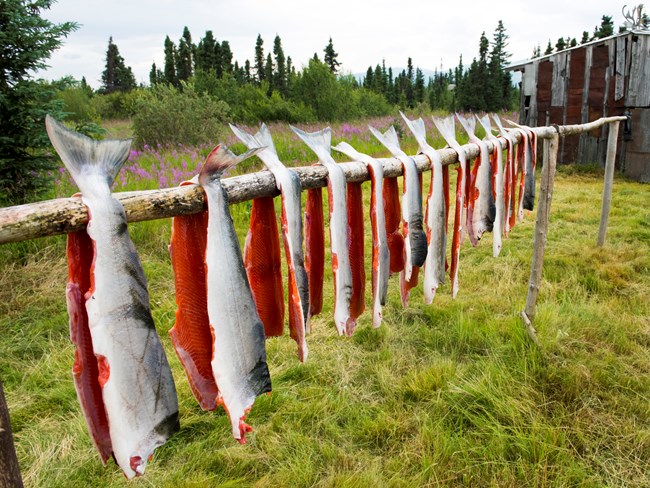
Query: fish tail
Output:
(79,153)
(220,160)
(320,141)
(248,139)
(417,129)
(389,139)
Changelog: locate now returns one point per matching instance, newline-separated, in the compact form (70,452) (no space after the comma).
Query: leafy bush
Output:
(117,104)
(165,115)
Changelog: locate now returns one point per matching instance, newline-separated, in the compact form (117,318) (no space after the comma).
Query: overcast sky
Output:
(433,33)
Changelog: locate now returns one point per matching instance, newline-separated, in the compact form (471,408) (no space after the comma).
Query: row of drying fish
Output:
(228,303)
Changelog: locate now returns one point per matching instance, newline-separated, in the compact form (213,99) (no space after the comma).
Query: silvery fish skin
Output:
(288,182)
(497,188)
(447,129)
(239,353)
(380,256)
(320,142)
(415,238)
(436,225)
(531,160)
(137,385)
(509,176)
(481,208)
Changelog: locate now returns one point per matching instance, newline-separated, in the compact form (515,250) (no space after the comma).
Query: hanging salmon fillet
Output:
(380,252)
(190,334)
(415,240)
(320,142)
(447,129)
(263,265)
(436,214)
(498,185)
(315,249)
(288,182)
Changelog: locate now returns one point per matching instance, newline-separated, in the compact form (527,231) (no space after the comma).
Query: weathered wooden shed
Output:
(604,77)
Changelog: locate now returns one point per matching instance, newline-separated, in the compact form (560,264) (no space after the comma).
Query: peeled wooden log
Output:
(65,215)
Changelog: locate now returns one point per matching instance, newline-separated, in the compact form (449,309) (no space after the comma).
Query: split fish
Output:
(191,334)
(137,388)
(436,214)
(510,176)
(415,239)
(393,217)
(263,265)
(447,129)
(320,143)
(497,184)
(529,186)
(523,156)
(314,250)
(480,206)
(288,182)
(380,252)
(238,342)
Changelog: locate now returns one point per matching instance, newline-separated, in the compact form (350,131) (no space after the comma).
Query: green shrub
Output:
(164,115)
(117,104)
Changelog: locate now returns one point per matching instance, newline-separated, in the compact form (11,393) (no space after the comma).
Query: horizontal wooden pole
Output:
(65,215)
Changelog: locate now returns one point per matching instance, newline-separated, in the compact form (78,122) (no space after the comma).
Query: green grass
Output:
(449,394)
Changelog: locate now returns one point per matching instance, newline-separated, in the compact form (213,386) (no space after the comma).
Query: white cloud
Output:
(363,33)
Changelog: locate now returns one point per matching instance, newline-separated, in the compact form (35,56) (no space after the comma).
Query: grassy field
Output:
(450,394)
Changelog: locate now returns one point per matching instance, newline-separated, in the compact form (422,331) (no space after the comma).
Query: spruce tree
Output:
(184,61)
(418,89)
(605,29)
(268,74)
(170,62)
(205,59)
(259,58)
(28,40)
(585,37)
(280,77)
(155,75)
(560,45)
(116,75)
(549,48)
(247,71)
(331,57)
(226,57)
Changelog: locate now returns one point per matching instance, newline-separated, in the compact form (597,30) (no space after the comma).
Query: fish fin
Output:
(485,122)
(447,129)
(79,153)
(220,160)
(320,141)
(248,139)
(468,124)
(264,137)
(389,139)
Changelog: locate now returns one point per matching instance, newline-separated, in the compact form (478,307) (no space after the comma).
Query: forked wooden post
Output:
(541,229)
(9,471)
(612,139)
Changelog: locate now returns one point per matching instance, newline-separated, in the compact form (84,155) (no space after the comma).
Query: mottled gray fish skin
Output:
(138,393)
(416,247)
(434,265)
(288,182)
(484,208)
(239,350)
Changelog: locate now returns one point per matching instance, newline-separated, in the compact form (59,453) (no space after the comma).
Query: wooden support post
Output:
(9,471)
(612,139)
(541,229)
